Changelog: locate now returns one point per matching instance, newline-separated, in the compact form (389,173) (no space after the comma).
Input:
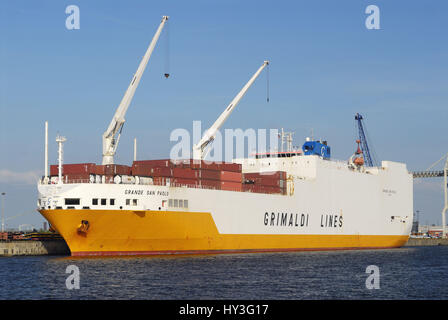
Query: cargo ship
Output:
(287,200)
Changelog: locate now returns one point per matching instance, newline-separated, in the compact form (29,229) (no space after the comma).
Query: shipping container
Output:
(220,175)
(280,175)
(153,163)
(263,189)
(74,178)
(231,186)
(210,184)
(160,181)
(112,169)
(185,173)
(161,172)
(185,182)
(267,182)
(76,168)
(231,176)
(141,171)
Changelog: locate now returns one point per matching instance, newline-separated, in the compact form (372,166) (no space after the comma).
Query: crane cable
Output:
(267,83)
(167,51)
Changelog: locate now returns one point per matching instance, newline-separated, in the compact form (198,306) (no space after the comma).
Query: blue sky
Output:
(325,67)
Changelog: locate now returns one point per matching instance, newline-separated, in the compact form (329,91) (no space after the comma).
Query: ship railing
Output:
(155,183)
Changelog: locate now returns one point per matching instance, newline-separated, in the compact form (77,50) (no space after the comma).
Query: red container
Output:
(210,184)
(152,163)
(181,163)
(159,181)
(231,176)
(143,172)
(99,169)
(231,186)
(77,168)
(185,182)
(187,163)
(279,175)
(220,175)
(268,182)
(76,178)
(112,169)
(161,172)
(262,189)
(209,174)
(217,166)
(185,173)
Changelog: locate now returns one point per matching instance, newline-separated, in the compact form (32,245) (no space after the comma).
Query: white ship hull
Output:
(328,206)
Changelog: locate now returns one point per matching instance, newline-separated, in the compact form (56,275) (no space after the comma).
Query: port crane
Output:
(368,159)
(111,136)
(200,149)
(429,173)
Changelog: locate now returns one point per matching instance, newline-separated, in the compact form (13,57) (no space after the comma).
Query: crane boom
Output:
(111,136)
(199,149)
(362,137)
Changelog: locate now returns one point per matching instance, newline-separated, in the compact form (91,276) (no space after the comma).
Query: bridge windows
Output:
(72,201)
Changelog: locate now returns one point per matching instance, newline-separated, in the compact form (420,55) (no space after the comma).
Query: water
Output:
(405,273)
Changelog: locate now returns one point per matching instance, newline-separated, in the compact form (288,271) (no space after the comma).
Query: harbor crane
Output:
(200,149)
(111,136)
(429,173)
(368,159)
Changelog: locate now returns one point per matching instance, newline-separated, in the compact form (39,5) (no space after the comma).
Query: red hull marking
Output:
(195,252)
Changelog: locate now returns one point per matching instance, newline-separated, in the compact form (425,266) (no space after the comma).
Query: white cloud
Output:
(11,177)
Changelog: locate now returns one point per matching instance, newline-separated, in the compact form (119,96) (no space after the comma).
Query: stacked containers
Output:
(189,172)
(90,172)
(265,182)
(78,172)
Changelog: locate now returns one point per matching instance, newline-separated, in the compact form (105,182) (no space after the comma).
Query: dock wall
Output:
(416,242)
(33,248)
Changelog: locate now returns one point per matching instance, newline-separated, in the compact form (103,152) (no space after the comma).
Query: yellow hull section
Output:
(154,232)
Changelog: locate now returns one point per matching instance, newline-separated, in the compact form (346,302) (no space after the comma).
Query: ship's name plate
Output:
(141,192)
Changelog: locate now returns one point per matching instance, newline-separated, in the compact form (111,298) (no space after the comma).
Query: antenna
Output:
(60,140)
(46,152)
(135,149)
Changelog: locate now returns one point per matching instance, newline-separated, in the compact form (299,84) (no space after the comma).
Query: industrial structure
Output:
(111,136)
(430,173)
(369,160)
(200,149)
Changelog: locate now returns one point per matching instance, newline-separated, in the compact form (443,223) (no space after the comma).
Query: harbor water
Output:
(404,273)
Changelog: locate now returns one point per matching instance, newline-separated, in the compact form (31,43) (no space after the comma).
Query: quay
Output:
(59,247)
(32,244)
(33,248)
(418,242)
